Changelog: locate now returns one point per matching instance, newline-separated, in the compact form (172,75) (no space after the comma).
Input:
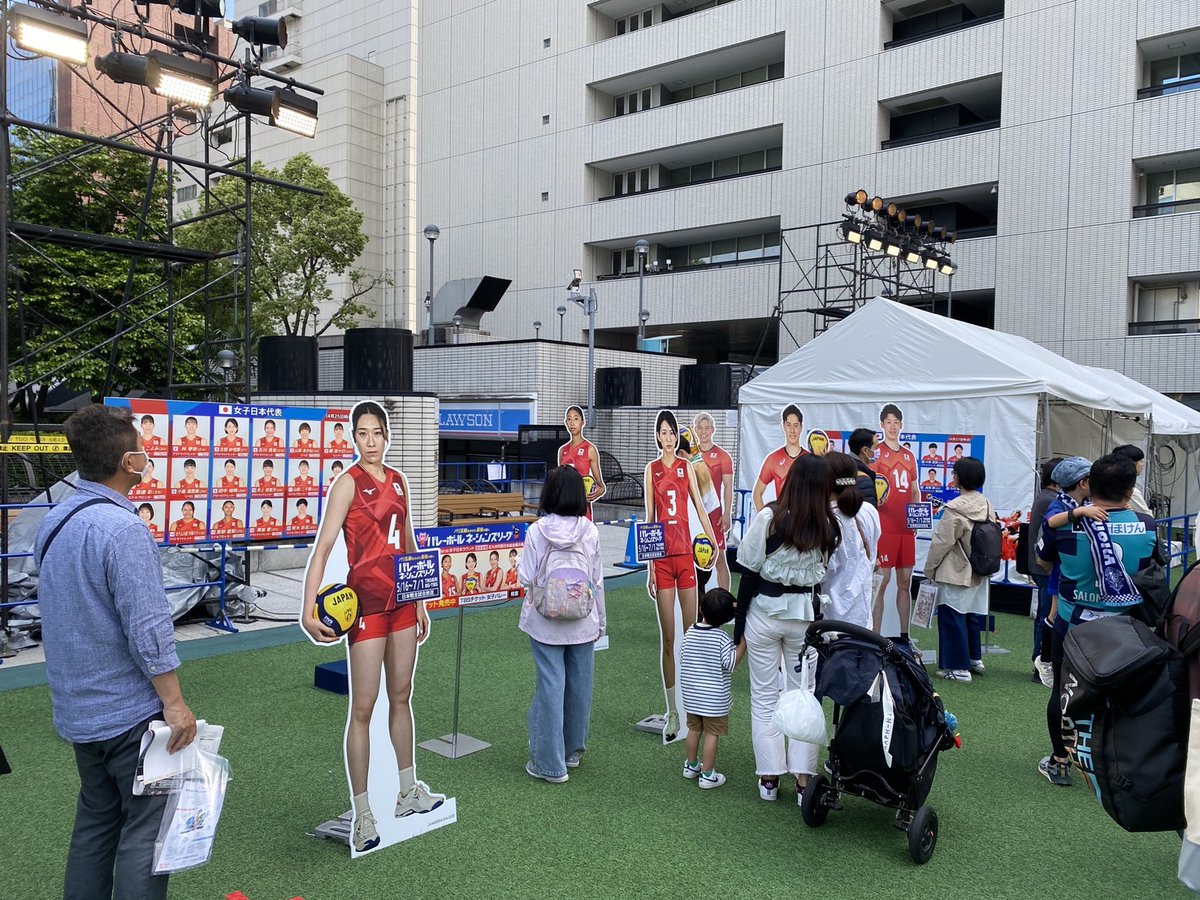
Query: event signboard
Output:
(236,472)
(478,562)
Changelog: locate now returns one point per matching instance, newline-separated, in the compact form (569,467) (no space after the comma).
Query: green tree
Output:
(299,242)
(72,330)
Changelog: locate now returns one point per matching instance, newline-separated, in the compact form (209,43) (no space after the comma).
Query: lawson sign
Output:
(499,420)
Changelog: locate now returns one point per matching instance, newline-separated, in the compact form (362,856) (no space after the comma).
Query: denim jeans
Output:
(562,704)
(1043,610)
(112,846)
(958,638)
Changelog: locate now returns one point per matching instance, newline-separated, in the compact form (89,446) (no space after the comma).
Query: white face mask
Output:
(145,471)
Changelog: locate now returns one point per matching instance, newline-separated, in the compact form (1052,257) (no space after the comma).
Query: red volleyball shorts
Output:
(897,551)
(383,624)
(674,572)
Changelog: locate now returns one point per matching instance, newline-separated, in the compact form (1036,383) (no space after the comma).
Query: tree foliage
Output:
(69,298)
(299,242)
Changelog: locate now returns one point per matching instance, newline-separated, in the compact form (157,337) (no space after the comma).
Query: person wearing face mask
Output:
(110,655)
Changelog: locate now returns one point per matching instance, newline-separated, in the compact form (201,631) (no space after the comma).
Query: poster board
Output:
(236,472)
(494,551)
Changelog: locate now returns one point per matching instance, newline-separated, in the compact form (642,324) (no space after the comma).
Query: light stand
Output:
(537,329)
(642,247)
(431,234)
(562,311)
(588,304)
(226,360)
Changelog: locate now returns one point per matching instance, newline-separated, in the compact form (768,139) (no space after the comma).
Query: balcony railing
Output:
(947,29)
(985,125)
(1166,326)
(1166,209)
(1191,83)
(672,187)
(774,257)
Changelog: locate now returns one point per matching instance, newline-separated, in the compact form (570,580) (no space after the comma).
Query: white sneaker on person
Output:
(955,675)
(553,779)
(768,790)
(690,771)
(417,800)
(1045,670)
(365,835)
(713,779)
(978,667)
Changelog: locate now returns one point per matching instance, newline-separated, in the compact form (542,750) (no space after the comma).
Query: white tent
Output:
(1001,397)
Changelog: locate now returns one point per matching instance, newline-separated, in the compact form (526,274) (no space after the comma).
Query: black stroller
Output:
(889,727)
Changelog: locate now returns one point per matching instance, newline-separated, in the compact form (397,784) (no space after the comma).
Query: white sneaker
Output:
(689,771)
(418,800)
(978,667)
(955,675)
(715,780)
(553,779)
(767,792)
(365,835)
(1045,670)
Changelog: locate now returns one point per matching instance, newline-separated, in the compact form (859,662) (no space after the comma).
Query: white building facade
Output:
(1059,138)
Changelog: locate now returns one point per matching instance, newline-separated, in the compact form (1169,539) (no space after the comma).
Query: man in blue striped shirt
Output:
(110,655)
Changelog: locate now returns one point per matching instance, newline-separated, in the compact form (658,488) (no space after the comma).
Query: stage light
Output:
(893,249)
(191,82)
(892,209)
(901,216)
(932,262)
(874,240)
(297,113)
(946,267)
(256,101)
(40,31)
(952,237)
(851,231)
(258,30)
(128,68)
(207,9)
(941,234)
(876,204)
(912,255)
(916,221)
(858,198)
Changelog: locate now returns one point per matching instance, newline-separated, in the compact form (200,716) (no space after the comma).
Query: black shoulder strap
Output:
(95,501)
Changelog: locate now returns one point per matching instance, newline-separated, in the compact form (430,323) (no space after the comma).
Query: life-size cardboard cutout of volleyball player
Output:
(669,487)
(582,456)
(779,462)
(366,523)
(720,467)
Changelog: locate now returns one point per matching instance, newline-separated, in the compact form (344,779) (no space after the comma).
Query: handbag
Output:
(798,714)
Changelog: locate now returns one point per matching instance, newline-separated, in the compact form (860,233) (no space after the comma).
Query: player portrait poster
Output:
(672,494)
(478,563)
(775,464)
(365,525)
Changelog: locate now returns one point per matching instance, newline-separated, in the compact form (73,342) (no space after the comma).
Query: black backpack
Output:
(1125,720)
(986,539)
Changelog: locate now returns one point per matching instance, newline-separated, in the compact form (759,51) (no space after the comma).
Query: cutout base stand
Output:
(454,746)
(652,724)
(337,829)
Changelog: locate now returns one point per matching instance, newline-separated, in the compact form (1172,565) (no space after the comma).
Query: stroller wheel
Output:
(813,807)
(922,835)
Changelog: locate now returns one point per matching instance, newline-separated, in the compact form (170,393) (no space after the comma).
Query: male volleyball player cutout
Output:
(897,544)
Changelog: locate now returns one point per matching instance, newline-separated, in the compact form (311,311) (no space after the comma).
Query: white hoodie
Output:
(563,532)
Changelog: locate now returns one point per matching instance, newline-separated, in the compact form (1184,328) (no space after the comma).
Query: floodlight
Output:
(40,31)
(851,231)
(876,204)
(128,68)
(857,198)
(260,30)
(912,255)
(932,262)
(946,267)
(916,221)
(192,82)
(576,280)
(892,209)
(952,237)
(297,113)
(256,101)
(874,240)
(893,249)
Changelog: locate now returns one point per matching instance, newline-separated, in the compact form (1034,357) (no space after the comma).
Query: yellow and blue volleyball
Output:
(337,607)
(882,489)
(588,483)
(703,552)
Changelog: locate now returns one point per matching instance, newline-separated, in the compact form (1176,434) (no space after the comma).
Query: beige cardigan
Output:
(947,562)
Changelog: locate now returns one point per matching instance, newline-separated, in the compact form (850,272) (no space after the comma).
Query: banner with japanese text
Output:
(478,562)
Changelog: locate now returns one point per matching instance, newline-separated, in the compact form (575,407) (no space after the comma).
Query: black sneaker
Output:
(1058,773)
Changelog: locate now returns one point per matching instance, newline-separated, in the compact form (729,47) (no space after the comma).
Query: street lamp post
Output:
(588,304)
(537,329)
(562,311)
(226,360)
(457,321)
(431,234)
(642,246)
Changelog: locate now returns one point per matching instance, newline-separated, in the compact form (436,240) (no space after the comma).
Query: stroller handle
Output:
(822,626)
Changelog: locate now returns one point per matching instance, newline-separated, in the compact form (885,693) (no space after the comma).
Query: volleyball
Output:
(588,483)
(337,607)
(703,552)
(882,489)
(818,443)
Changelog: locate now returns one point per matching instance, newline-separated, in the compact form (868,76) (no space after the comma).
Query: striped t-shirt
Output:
(705,663)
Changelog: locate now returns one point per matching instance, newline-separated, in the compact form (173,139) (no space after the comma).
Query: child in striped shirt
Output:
(706,662)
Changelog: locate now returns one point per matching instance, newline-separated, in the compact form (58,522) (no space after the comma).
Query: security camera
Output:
(576,280)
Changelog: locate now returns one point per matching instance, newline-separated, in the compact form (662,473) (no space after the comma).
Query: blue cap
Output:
(1070,472)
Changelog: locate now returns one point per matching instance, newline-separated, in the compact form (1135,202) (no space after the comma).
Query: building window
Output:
(630,103)
(187,192)
(639,180)
(631,182)
(643,19)
(1171,191)
(1171,75)
(1165,308)
(908,28)
(729,82)
(270,7)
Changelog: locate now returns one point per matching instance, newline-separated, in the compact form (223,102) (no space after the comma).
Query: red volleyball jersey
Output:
(231,481)
(449,585)
(194,442)
(776,467)
(231,443)
(187,527)
(719,464)
(510,577)
(670,487)
(267,484)
(578,457)
(899,467)
(492,579)
(269,443)
(153,445)
(376,530)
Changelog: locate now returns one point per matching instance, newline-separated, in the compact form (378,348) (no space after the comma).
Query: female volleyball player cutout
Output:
(582,456)
(370,507)
(670,486)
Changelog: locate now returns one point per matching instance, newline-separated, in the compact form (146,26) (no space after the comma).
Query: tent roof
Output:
(887,348)
(1170,416)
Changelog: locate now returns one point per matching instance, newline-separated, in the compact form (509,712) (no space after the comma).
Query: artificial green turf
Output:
(626,825)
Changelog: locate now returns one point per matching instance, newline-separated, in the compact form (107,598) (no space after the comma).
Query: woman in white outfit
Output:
(784,554)
(847,584)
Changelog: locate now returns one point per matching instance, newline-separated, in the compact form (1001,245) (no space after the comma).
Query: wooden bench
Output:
(482,509)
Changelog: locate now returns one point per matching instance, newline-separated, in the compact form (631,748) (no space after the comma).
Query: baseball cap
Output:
(1071,471)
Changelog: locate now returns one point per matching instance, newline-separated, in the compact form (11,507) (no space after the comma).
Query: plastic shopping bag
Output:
(189,824)
(799,714)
